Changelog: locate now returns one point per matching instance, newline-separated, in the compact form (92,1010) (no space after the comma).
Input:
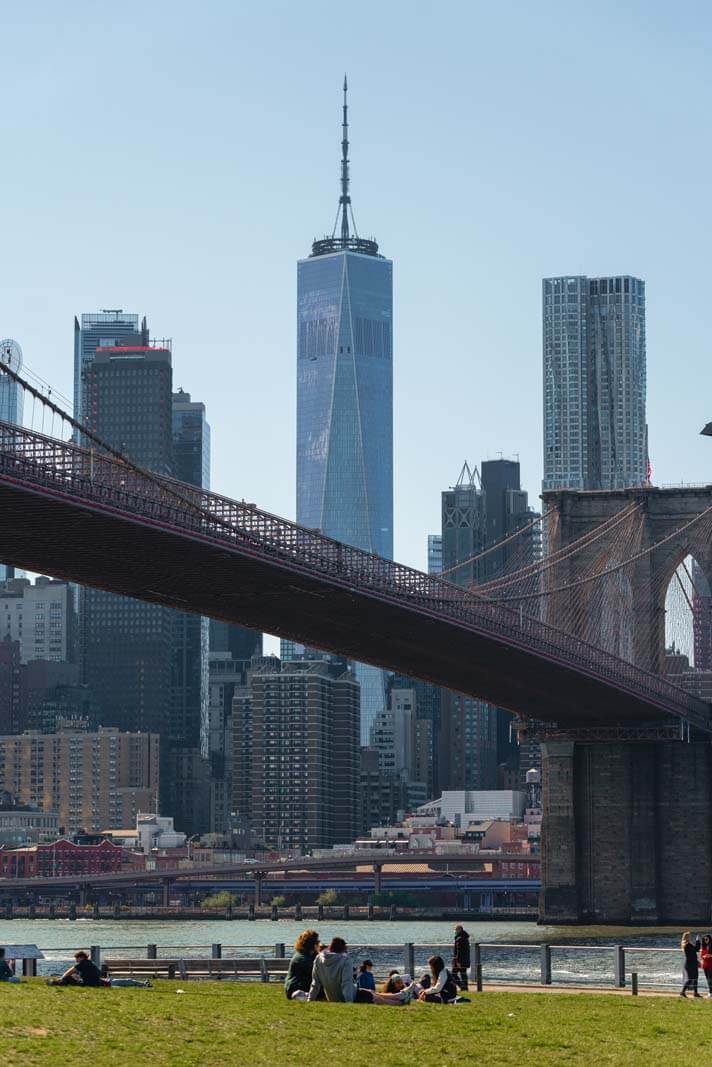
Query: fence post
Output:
(72,910)
(8,910)
(251,911)
(634,983)
(279,950)
(298,912)
(370,911)
(478,977)
(151,952)
(546,964)
(53,911)
(275,913)
(346,911)
(216,951)
(320,912)
(95,955)
(619,966)
(409,958)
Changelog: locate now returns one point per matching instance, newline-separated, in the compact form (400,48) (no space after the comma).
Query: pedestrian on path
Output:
(706,960)
(691,965)
(461,956)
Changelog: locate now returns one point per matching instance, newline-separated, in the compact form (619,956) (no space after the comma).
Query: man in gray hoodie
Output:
(333,972)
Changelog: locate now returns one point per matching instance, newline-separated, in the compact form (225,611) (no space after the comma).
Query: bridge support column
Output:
(377,873)
(558,901)
(166,893)
(258,890)
(627,832)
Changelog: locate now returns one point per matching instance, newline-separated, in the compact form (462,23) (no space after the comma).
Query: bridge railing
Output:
(97,477)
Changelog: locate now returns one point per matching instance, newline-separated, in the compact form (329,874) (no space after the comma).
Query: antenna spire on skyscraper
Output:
(348,238)
(345,201)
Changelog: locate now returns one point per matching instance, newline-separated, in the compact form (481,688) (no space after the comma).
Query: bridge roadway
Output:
(214,872)
(84,517)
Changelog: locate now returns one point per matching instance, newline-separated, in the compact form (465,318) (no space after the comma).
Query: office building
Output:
(126,645)
(101,329)
(463,528)
(595,433)
(191,463)
(42,617)
(435,553)
(92,780)
(295,739)
(345,398)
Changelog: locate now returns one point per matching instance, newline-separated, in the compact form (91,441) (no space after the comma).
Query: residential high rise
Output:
(126,644)
(41,617)
(295,740)
(595,433)
(345,397)
(94,780)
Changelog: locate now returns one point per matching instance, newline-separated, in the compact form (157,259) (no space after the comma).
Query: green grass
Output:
(225,1023)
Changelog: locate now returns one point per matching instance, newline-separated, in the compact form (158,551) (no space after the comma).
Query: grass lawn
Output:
(225,1023)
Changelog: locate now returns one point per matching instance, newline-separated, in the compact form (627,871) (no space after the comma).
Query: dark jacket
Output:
(461,951)
(691,962)
(299,975)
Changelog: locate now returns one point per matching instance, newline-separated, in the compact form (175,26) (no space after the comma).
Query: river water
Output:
(653,952)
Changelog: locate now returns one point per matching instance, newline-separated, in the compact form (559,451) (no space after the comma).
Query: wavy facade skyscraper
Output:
(345,397)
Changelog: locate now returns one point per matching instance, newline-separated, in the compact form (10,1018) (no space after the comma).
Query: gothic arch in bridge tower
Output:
(676,519)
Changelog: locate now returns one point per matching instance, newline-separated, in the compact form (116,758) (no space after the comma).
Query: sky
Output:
(176,159)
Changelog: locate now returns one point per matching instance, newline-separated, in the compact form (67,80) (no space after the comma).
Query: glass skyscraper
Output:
(345,398)
(595,433)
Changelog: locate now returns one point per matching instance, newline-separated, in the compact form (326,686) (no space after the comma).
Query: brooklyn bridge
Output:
(572,643)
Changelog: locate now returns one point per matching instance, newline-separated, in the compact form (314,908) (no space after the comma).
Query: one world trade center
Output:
(345,397)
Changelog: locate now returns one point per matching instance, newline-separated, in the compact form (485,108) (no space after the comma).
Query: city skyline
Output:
(461,257)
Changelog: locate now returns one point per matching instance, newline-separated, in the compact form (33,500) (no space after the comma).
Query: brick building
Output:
(60,858)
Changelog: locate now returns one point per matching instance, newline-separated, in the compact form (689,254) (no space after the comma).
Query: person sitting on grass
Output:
(6,972)
(83,973)
(333,974)
(365,979)
(299,976)
(443,988)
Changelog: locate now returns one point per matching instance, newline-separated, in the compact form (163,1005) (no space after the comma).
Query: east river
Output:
(652,952)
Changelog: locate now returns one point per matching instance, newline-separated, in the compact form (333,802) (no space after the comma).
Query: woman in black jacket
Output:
(691,967)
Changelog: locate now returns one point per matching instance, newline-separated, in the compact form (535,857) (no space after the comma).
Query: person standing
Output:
(706,960)
(691,965)
(461,956)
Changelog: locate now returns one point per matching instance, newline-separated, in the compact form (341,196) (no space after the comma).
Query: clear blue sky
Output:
(176,159)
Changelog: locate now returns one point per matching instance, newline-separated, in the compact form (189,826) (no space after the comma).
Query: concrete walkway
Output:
(509,987)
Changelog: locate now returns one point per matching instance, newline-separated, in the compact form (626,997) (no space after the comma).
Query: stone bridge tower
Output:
(627,833)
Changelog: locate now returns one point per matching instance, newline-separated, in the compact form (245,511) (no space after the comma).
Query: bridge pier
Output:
(627,832)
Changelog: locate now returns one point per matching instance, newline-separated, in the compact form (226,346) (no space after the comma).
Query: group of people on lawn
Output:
(318,972)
